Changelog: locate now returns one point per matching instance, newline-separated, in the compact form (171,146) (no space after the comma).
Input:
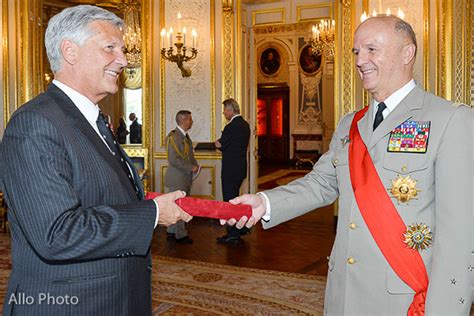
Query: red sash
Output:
(209,208)
(383,220)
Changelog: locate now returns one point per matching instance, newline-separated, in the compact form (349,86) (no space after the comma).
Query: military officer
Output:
(182,166)
(402,170)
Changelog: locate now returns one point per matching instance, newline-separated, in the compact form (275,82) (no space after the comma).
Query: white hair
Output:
(73,24)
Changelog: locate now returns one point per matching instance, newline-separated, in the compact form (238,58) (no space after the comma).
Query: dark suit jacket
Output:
(135,133)
(234,140)
(77,225)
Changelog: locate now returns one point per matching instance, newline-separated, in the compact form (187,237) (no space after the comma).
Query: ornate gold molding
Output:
(344,77)
(445,48)
(279,10)
(365,93)
(461,66)
(29,49)
(301,8)
(426,44)
(227,54)
(6,63)
(148,100)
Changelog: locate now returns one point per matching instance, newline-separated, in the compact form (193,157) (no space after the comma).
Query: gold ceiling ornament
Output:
(404,189)
(132,33)
(322,39)
(418,236)
(179,56)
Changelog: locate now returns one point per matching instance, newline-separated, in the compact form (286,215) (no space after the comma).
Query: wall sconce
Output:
(323,36)
(179,56)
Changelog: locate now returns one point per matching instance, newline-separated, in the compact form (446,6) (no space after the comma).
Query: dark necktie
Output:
(106,134)
(379,116)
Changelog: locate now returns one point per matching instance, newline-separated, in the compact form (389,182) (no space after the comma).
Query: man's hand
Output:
(195,169)
(170,212)
(259,208)
(218,144)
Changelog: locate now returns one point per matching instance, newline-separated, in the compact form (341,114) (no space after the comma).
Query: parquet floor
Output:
(301,245)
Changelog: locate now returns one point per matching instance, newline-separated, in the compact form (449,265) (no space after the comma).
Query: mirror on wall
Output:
(125,108)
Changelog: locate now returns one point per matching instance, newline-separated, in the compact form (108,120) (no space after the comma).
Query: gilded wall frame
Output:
(212,109)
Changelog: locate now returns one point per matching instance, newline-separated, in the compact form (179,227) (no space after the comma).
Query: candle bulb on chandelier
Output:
(388,12)
(194,34)
(400,14)
(163,34)
(171,36)
(179,22)
(184,36)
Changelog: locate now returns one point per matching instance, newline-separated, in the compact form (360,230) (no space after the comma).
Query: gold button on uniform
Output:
(404,169)
(351,260)
(352,226)
(335,161)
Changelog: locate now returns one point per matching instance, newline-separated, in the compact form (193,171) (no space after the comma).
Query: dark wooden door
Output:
(273,124)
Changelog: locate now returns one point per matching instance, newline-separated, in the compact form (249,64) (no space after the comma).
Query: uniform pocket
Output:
(395,285)
(405,163)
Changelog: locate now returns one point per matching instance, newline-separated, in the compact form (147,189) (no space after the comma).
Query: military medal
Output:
(418,236)
(410,137)
(404,189)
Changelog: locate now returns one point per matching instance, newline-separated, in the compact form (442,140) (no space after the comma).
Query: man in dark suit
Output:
(135,130)
(81,231)
(233,144)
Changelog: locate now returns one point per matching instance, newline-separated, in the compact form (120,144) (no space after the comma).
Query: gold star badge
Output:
(418,236)
(404,189)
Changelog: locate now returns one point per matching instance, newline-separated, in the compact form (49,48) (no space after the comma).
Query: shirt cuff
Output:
(266,216)
(157,213)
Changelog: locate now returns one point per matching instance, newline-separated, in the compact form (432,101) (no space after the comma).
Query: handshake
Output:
(242,211)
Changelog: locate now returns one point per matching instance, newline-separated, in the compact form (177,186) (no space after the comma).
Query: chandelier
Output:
(178,55)
(400,14)
(132,33)
(322,39)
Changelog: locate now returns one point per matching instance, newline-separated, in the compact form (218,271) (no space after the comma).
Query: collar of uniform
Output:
(395,98)
(181,130)
(233,117)
(87,108)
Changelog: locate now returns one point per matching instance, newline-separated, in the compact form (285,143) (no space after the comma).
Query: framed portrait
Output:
(309,63)
(270,61)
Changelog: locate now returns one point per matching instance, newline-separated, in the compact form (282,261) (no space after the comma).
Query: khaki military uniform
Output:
(179,173)
(360,280)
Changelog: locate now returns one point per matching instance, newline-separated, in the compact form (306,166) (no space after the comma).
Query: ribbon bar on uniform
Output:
(209,208)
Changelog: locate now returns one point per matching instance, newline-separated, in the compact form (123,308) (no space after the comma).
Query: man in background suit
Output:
(233,144)
(135,130)
(402,170)
(182,166)
(81,231)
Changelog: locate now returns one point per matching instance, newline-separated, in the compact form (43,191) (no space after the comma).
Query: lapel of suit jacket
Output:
(402,112)
(80,122)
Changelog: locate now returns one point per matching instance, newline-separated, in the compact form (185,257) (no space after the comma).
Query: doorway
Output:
(273,125)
